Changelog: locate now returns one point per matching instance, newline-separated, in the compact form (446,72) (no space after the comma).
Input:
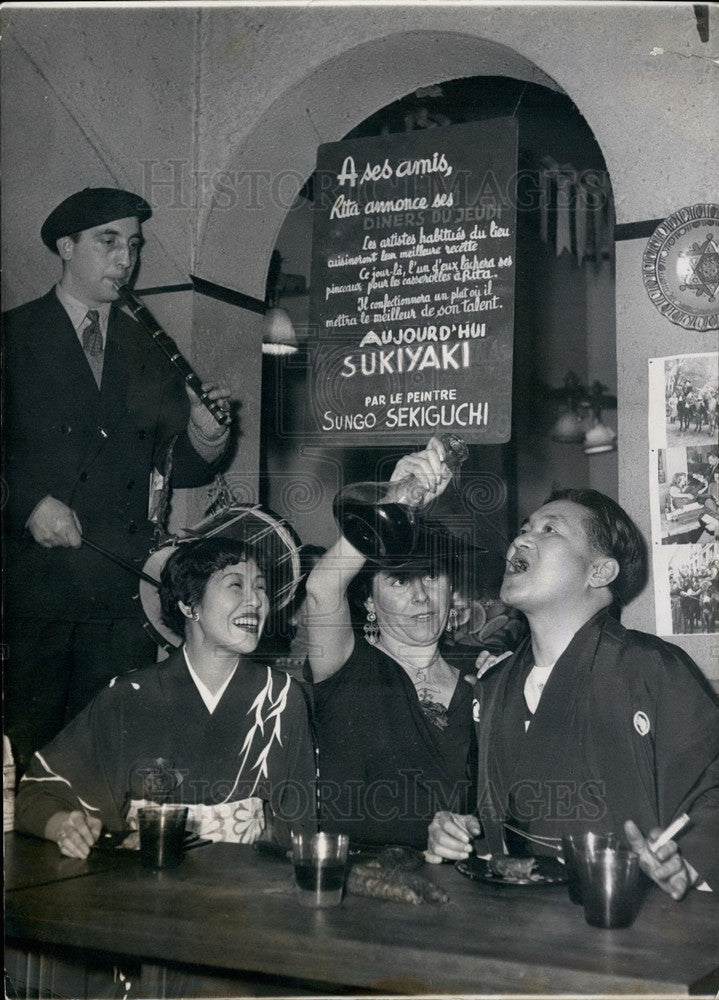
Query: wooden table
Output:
(229,911)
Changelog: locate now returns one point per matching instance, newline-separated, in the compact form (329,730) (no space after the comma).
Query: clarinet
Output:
(168,346)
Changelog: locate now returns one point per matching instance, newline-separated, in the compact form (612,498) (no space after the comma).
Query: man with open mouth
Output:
(590,726)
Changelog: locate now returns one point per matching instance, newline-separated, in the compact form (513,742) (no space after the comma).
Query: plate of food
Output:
(503,869)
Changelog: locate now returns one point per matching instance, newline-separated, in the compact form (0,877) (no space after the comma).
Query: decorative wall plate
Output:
(681,267)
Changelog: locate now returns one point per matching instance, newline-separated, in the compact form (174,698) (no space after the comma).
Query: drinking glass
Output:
(320,861)
(610,886)
(572,845)
(162,835)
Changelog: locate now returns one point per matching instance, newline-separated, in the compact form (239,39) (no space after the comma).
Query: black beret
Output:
(91,207)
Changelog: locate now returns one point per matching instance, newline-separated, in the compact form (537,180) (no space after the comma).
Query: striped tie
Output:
(92,335)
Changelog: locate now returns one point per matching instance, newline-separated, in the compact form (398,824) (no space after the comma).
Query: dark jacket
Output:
(92,449)
(627,728)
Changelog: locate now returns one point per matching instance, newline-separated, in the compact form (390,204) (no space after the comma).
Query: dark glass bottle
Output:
(381,520)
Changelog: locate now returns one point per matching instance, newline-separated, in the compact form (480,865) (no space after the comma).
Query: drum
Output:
(263,532)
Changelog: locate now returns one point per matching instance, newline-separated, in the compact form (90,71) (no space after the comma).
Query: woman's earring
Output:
(452,621)
(194,616)
(371,629)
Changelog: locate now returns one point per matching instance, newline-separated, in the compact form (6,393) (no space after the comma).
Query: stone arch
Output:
(284,139)
(269,163)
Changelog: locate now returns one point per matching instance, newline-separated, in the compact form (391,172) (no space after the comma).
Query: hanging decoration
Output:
(576,211)
(581,419)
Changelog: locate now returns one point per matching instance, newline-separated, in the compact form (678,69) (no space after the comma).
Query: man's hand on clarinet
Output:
(53,524)
(201,417)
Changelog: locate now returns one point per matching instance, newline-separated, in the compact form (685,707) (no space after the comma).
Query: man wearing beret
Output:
(95,420)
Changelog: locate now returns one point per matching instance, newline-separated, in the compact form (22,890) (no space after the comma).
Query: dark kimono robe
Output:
(627,728)
(150,731)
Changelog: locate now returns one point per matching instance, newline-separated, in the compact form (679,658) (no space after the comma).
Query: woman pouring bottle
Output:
(393,719)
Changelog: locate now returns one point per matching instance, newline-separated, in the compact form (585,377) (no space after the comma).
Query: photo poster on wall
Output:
(684,492)
(412,286)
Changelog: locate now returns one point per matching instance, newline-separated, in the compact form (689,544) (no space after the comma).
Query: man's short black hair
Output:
(185,574)
(611,532)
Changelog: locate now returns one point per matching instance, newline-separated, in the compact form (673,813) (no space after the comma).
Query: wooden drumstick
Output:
(120,562)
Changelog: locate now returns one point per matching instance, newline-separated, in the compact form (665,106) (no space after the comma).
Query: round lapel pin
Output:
(641,723)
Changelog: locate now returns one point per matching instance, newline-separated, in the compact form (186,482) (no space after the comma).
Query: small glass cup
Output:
(320,862)
(572,845)
(610,886)
(162,835)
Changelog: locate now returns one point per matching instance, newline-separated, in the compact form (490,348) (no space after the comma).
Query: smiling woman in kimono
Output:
(208,727)
(590,725)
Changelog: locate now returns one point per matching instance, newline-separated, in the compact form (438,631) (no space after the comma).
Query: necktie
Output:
(92,335)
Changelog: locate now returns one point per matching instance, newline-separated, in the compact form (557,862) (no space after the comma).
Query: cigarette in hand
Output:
(488,664)
(671,831)
(495,661)
(503,656)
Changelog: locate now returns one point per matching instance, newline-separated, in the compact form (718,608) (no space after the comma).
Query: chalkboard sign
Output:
(412,287)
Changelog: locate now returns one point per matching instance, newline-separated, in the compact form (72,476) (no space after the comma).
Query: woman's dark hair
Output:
(611,532)
(185,574)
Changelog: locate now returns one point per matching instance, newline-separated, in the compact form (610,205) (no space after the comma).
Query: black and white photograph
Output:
(691,386)
(359,498)
(690,594)
(687,494)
